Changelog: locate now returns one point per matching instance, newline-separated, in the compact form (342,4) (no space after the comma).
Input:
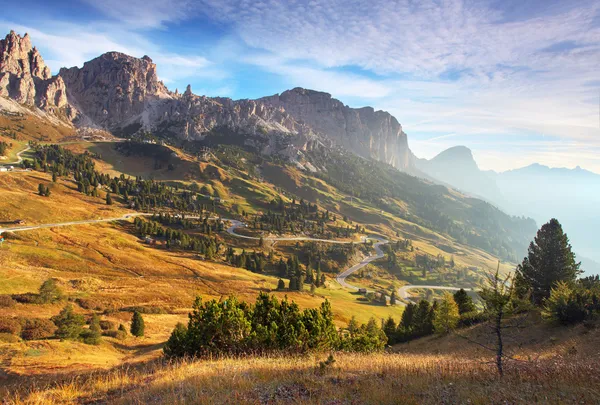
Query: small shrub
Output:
(26,298)
(90,304)
(137,325)
(38,329)
(10,325)
(108,325)
(150,310)
(8,338)
(70,324)
(93,335)
(6,301)
(117,334)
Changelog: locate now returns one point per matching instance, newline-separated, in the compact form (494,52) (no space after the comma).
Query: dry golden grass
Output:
(20,200)
(30,127)
(352,379)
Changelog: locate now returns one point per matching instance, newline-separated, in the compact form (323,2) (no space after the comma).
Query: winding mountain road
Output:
(70,223)
(19,157)
(235,224)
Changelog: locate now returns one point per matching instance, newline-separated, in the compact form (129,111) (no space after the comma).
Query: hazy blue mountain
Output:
(570,195)
(457,168)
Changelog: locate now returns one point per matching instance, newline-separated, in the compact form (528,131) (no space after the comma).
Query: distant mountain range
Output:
(122,94)
(570,195)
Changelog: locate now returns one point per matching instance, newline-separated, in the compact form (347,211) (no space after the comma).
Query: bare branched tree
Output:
(500,305)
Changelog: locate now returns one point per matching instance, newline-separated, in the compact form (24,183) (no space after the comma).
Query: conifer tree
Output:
(464,302)
(549,261)
(137,325)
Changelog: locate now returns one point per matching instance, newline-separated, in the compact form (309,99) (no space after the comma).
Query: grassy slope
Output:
(108,264)
(561,366)
(32,128)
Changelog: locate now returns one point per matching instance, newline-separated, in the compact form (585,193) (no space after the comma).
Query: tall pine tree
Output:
(549,260)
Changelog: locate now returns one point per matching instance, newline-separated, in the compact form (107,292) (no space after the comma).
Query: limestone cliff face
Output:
(364,131)
(112,89)
(25,78)
(122,94)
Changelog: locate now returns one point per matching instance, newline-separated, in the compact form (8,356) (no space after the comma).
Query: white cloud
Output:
(145,13)
(511,77)
(65,44)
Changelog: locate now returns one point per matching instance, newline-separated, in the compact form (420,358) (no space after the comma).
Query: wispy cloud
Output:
(474,69)
(145,13)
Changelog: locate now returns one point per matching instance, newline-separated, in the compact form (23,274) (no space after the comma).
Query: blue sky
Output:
(516,81)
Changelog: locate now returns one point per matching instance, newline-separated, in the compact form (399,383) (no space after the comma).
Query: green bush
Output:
(93,335)
(137,325)
(69,324)
(117,334)
(150,310)
(568,306)
(34,329)
(232,327)
(50,292)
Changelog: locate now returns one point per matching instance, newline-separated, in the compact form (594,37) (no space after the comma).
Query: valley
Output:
(169,247)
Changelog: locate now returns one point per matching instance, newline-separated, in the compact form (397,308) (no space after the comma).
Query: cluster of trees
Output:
(4,147)
(233,327)
(297,217)
(208,246)
(67,325)
(425,318)
(256,262)
(139,193)
(180,220)
(548,277)
(43,190)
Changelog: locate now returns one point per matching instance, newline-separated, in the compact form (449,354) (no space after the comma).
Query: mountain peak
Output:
(457,153)
(25,78)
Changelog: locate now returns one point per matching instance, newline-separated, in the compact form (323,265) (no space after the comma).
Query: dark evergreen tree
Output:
(464,302)
(549,260)
(137,324)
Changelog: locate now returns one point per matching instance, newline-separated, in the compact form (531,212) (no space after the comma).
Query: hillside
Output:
(556,366)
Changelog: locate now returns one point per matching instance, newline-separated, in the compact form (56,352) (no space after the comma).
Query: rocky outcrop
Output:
(25,78)
(122,94)
(364,131)
(114,88)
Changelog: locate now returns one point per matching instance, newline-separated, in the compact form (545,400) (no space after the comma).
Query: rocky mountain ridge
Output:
(122,94)
(25,78)
(364,131)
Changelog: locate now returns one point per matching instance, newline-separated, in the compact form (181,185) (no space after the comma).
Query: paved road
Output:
(238,224)
(19,157)
(70,223)
(341,278)
(403,291)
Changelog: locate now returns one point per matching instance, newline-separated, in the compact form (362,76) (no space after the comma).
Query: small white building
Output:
(3,169)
